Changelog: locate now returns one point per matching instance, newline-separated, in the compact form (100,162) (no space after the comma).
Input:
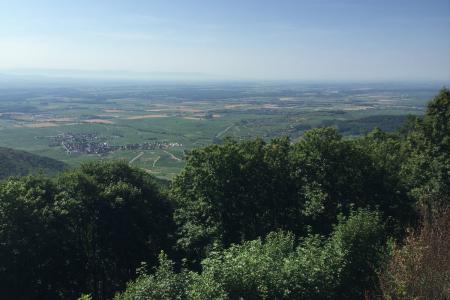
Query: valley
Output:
(153,125)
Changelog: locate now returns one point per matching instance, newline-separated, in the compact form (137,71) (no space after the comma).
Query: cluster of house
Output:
(92,144)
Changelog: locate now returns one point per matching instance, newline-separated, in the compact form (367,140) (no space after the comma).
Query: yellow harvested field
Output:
(21,117)
(113,110)
(98,121)
(60,120)
(235,105)
(274,106)
(146,117)
(39,125)
(188,109)
(356,107)
(108,115)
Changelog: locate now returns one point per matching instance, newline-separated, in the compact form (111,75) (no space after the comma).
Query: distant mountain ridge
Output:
(19,163)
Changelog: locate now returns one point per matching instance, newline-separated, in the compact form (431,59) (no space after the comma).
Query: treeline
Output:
(321,218)
(363,125)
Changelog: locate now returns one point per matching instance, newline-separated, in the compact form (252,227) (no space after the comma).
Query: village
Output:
(90,143)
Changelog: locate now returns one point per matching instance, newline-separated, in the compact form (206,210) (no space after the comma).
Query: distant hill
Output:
(18,163)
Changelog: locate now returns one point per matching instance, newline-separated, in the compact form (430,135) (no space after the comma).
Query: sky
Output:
(245,39)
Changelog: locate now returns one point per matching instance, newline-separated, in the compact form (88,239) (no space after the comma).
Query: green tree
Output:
(233,192)
(427,169)
(240,191)
(387,154)
(437,121)
(361,237)
(85,232)
(336,175)
(117,218)
(31,265)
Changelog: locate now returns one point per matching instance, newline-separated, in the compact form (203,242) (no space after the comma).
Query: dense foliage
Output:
(18,163)
(278,267)
(85,231)
(234,192)
(310,219)
(427,146)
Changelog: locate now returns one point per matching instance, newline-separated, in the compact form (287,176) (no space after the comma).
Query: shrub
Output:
(275,268)
(420,268)
(163,284)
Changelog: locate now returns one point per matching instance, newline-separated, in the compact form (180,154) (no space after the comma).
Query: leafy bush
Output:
(163,284)
(274,268)
(362,238)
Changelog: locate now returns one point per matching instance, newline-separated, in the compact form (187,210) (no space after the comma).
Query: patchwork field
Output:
(153,125)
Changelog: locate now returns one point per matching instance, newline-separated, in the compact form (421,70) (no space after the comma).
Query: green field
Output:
(192,116)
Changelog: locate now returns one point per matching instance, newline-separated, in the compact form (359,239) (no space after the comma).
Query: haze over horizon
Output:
(295,40)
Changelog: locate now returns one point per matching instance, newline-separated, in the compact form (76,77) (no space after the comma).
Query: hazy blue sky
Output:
(295,39)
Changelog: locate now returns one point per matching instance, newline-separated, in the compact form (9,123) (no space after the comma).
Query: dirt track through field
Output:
(223,131)
(172,156)
(136,157)
(156,160)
